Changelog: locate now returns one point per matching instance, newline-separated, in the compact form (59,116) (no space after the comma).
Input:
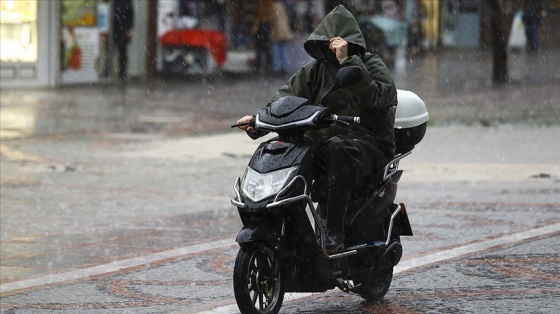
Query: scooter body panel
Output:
(262,231)
(310,271)
(368,215)
(276,154)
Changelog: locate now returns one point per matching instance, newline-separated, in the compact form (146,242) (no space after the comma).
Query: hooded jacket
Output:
(374,99)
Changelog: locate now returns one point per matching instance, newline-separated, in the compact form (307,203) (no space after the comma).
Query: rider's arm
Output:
(377,89)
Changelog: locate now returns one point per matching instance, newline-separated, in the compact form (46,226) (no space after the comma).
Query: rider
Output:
(349,153)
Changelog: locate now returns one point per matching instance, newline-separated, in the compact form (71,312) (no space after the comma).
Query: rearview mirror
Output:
(348,76)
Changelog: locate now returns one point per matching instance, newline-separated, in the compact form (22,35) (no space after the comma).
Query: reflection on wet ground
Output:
(456,85)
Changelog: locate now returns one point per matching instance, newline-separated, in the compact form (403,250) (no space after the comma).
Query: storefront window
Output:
(18,30)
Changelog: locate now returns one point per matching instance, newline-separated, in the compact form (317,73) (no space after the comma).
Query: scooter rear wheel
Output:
(257,280)
(375,284)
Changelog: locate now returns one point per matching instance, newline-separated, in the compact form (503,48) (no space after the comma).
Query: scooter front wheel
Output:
(257,280)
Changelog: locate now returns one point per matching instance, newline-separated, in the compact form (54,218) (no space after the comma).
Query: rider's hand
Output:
(340,47)
(247,127)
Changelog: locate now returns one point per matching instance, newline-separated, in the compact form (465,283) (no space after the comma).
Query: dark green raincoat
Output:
(373,99)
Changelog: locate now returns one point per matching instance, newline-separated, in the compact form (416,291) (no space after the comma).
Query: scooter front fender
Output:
(263,231)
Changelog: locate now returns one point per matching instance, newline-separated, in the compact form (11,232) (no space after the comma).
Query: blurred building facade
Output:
(52,43)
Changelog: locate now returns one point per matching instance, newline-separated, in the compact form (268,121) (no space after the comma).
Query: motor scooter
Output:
(282,242)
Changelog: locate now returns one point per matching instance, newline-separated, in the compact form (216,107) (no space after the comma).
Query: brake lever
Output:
(241,124)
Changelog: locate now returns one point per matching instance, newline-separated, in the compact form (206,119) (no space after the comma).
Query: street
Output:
(116,199)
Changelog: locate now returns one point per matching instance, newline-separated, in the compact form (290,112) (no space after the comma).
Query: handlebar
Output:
(333,118)
(345,119)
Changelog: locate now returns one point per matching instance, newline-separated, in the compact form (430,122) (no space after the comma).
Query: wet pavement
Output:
(115,199)
(456,85)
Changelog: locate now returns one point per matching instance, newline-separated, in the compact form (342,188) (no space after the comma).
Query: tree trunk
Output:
(499,43)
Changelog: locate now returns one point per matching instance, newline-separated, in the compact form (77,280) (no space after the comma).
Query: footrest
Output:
(376,244)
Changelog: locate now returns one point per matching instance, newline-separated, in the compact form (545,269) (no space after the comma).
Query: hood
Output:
(338,23)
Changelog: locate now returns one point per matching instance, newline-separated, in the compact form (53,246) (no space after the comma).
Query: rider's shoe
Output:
(334,242)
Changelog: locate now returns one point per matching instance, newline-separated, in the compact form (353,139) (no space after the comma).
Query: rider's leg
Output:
(343,168)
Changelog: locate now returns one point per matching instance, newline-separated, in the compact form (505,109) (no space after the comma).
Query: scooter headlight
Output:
(257,186)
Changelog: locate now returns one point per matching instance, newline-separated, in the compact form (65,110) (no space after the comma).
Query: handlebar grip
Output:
(346,119)
(252,123)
